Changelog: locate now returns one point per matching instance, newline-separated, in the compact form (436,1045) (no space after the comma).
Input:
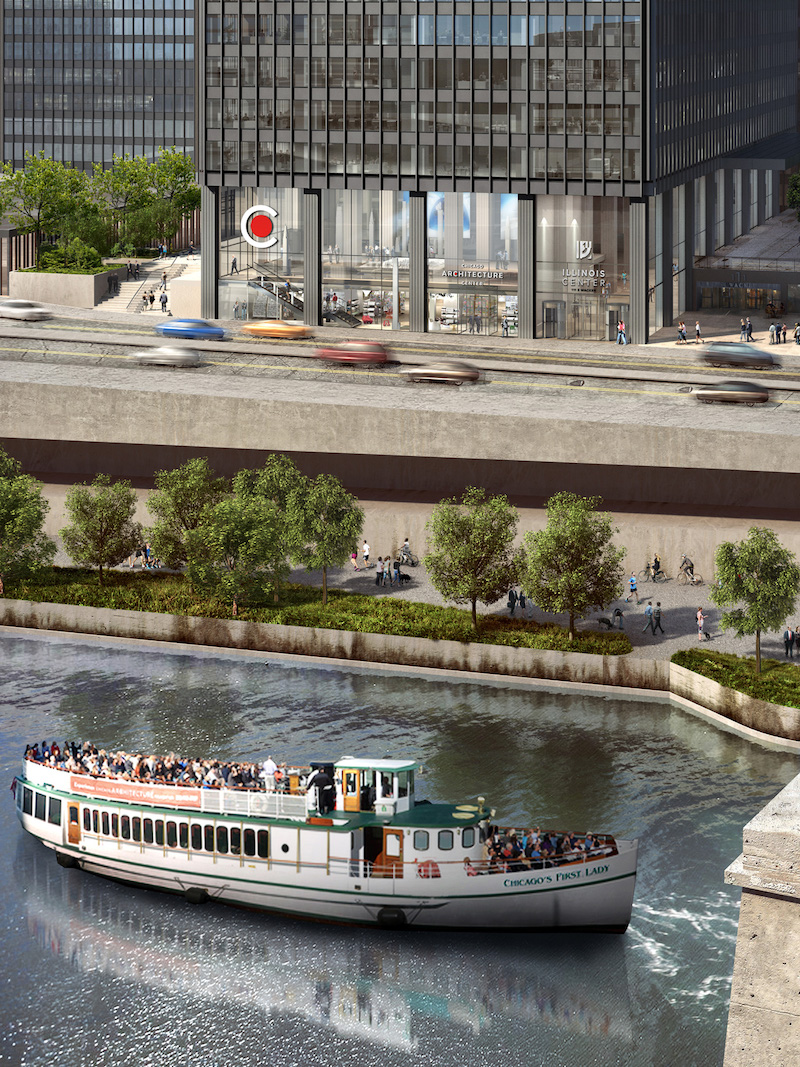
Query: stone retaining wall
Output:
(68,290)
(773,719)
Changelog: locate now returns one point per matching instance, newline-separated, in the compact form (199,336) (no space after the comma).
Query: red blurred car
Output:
(355,352)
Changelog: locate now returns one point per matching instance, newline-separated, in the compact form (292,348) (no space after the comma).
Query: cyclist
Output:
(656,566)
(405,552)
(688,567)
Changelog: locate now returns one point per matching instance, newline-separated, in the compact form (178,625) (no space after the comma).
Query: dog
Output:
(403,577)
(608,624)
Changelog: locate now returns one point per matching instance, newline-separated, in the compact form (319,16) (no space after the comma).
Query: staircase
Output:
(270,282)
(131,291)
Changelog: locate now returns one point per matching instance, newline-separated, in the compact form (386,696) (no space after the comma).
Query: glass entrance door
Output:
(585,320)
(554,316)
(477,313)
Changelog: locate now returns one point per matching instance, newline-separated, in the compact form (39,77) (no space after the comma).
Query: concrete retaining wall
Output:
(69,290)
(773,719)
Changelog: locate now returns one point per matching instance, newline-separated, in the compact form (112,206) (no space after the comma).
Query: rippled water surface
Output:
(98,974)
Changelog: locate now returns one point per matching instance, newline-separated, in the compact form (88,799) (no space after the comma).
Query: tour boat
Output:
(345,842)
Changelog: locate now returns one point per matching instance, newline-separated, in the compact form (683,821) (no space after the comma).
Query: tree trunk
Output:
(474,614)
(324,586)
(571,626)
(758,652)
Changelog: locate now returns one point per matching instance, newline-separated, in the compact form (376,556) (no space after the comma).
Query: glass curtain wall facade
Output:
(85,79)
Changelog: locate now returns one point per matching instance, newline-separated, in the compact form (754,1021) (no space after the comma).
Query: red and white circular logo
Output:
(258,226)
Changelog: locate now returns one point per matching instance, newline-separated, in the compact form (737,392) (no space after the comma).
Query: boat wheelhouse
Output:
(342,842)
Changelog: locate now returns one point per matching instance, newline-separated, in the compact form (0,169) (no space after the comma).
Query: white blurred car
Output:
(168,356)
(23,309)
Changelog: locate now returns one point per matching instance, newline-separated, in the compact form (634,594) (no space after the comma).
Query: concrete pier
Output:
(764,1016)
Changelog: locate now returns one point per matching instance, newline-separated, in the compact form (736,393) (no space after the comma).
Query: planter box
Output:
(68,290)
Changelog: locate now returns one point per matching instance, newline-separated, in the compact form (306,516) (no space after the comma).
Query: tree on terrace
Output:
(24,546)
(102,531)
(329,523)
(179,501)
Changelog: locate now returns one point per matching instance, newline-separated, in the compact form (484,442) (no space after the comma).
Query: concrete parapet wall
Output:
(774,719)
(68,290)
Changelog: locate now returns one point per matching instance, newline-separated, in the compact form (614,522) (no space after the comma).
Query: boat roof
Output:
(358,763)
(422,816)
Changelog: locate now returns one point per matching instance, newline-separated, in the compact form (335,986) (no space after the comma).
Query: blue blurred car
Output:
(193,329)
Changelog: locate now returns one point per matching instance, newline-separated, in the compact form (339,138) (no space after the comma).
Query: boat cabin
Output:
(382,786)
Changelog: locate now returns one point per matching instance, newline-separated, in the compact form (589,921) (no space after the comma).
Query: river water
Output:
(102,975)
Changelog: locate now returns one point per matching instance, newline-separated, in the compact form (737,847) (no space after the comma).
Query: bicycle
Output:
(407,557)
(649,575)
(684,578)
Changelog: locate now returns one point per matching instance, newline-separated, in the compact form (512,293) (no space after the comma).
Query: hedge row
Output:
(778,683)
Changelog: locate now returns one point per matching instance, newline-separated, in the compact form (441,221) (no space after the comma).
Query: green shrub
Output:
(778,682)
(301,605)
(75,258)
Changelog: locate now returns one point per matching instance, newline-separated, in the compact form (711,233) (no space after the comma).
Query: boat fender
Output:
(392,918)
(196,894)
(65,860)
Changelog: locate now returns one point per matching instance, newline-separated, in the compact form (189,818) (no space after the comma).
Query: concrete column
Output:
(728,229)
(711,212)
(774,178)
(745,190)
(209,251)
(526,223)
(639,316)
(662,305)
(312,257)
(684,206)
(417,264)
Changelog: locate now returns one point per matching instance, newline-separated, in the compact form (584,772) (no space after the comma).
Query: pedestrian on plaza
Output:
(788,641)
(472,324)
(772,333)
(163,280)
(164,302)
(505,327)
(478,323)
(136,271)
(354,559)
(379,571)
(681,338)
(387,570)
(243,310)
(633,591)
(130,269)
(397,572)
(144,301)
(234,266)
(236,309)
(697,338)
(648,612)
(797,333)
(523,601)
(783,333)
(330,253)
(749,329)
(657,618)
(512,600)
(742,330)
(700,620)
(336,251)
(621,333)
(152,299)
(365,554)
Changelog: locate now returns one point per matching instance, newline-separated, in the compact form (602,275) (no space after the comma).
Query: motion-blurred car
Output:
(733,393)
(168,356)
(737,354)
(452,371)
(193,329)
(23,309)
(356,351)
(281,328)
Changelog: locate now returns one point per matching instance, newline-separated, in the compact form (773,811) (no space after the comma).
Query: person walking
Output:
(783,333)
(144,302)
(136,271)
(365,554)
(234,266)
(397,572)
(387,570)
(788,641)
(773,330)
(622,338)
(797,333)
(236,309)
(700,620)
(633,591)
(657,618)
(354,558)
(742,330)
(680,333)
(698,340)
(505,327)
(130,270)
(336,252)
(648,612)
(163,281)
(163,299)
(379,571)
(749,329)
(512,600)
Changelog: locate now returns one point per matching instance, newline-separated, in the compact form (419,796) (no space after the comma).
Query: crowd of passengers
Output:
(532,849)
(170,770)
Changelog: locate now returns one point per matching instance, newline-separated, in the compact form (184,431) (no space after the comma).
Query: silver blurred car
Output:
(168,356)
(451,371)
(23,309)
(733,393)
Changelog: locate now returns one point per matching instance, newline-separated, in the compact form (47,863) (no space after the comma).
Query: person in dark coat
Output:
(788,641)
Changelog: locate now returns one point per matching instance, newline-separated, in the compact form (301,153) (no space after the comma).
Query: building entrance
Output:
(586,316)
(554,318)
(477,313)
(615,313)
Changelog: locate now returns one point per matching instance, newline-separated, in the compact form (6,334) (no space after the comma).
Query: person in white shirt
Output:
(268,773)
(365,553)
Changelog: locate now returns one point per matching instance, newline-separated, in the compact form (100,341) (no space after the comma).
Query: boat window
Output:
(40,805)
(27,801)
(445,840)
(87,819)
(106,829)
(421,840)
(209,838)
(148,831)
(197,837)
(115,825)
(236,841)
(54,811)
(95,821)
(159,831)
(222,839)
(263,843)
(404,782)
(468,836)
(183,834)
(126,827)
(73,814)
(172,834)
(137,828)
(249,842)
(387,785)
(350,783)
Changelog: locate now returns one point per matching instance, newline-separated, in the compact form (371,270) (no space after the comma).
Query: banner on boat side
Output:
(109,789)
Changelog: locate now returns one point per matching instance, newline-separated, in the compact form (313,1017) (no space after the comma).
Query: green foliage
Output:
(761,578)
(793,193)
(180,498)
(776,681)
(75,257)
(237,551)
(471,555)
(302,606)
(330,523)
(37,198)
(101,531)
(25,549)
(571,566)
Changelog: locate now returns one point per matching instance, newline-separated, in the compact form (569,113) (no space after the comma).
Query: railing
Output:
(723,262)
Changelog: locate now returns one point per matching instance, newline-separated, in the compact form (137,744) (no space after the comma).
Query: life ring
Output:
(428,869)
